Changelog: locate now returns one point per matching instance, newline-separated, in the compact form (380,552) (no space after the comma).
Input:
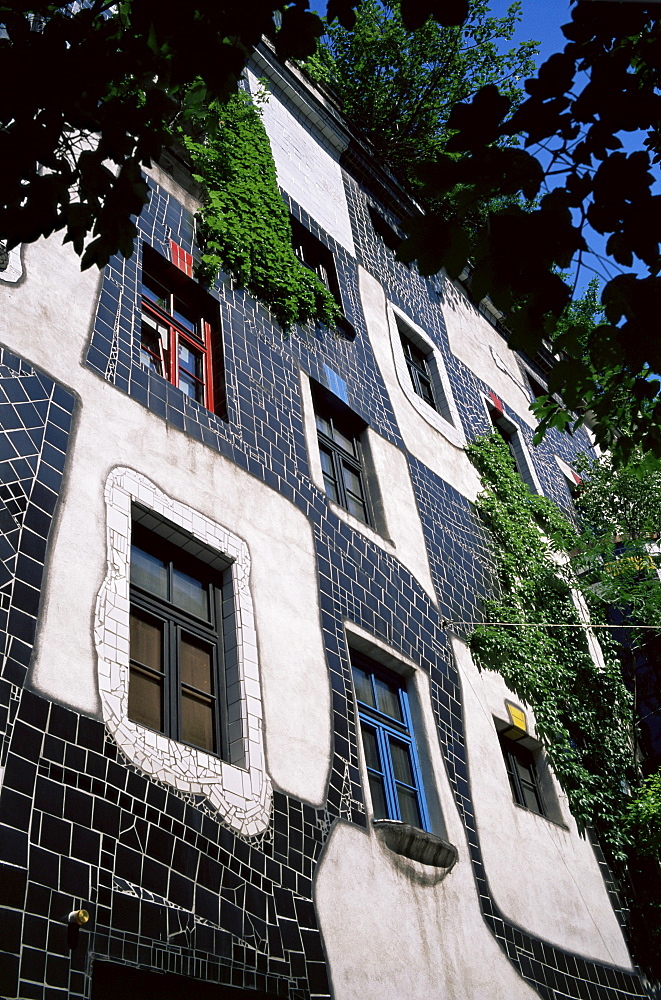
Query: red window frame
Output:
(180,321)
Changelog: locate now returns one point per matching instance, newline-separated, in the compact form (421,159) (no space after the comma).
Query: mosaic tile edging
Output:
(242,796)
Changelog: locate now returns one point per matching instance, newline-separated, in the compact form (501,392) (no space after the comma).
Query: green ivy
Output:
(583,711)
(243,227)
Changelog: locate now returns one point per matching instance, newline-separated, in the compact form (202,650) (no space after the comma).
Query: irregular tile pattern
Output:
(170,885)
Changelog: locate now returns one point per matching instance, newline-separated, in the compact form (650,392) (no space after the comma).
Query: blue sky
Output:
(541,20)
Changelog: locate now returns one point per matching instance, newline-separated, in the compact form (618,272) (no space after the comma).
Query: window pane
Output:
(401,762)
(146,641)
(197,721)
(347,443)
(323,425)
(149,572)
(378,797)
(425,390)
(146,681)
(155,292)
(185,317)
(408,806)
(363,686)
(191,388)
(531,798)
(387,696)
(329,474)
(331,488)
(190,594)
(196,665)
(146,699)
(191,372)
(357,508)
(153,340)
(326,462)
(352,481)
(371,749)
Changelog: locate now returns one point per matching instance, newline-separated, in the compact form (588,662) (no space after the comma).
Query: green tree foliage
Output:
(97,90)
(244,226)
(604,83)
(583,710)
(644,818)
(617,553)
(398,86)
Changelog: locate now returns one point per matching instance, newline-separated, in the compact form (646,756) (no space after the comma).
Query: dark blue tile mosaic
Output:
(169,887)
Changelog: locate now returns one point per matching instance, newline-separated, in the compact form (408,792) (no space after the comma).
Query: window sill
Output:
(417,845)
(365,529)
(545,819)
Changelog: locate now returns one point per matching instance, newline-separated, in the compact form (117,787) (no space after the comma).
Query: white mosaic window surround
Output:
(454,431)
(11,264)
(242,795)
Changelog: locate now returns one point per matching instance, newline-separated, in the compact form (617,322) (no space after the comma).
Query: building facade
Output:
(241,727)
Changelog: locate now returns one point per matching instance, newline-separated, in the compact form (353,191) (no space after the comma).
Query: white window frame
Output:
(242,794)
(451,429)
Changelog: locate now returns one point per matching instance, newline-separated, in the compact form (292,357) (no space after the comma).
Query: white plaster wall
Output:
(38,322)
(391,492)
(475,342)
(394,929)
(391,936)
(307,165)
(542,874)
(447,460)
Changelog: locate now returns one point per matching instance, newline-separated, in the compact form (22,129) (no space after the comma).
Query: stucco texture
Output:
(114,430)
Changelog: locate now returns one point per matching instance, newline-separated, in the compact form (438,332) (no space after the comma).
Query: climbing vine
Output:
(243,226)
(583,709)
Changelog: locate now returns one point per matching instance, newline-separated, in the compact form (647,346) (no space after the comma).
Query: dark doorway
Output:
(110,981)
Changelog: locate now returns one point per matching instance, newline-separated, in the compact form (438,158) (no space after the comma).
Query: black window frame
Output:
(341,420)
(176,622)
(419,370)
(423,367)
(320,259)
(511,435)
(518,757)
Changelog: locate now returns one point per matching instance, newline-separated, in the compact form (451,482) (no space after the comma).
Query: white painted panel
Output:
(543,875)
(307,166)
(475,342)
(441,452)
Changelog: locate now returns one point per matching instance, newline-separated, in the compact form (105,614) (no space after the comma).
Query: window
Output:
(177,339)
(422,376)
(389,748)
(419,370)
(318,258)
(508,435)
(176,679)
(521,771)
(390,236)
(342,465)
(178,554)
(511,435)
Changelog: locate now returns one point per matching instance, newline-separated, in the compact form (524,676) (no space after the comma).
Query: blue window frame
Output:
(391,758)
